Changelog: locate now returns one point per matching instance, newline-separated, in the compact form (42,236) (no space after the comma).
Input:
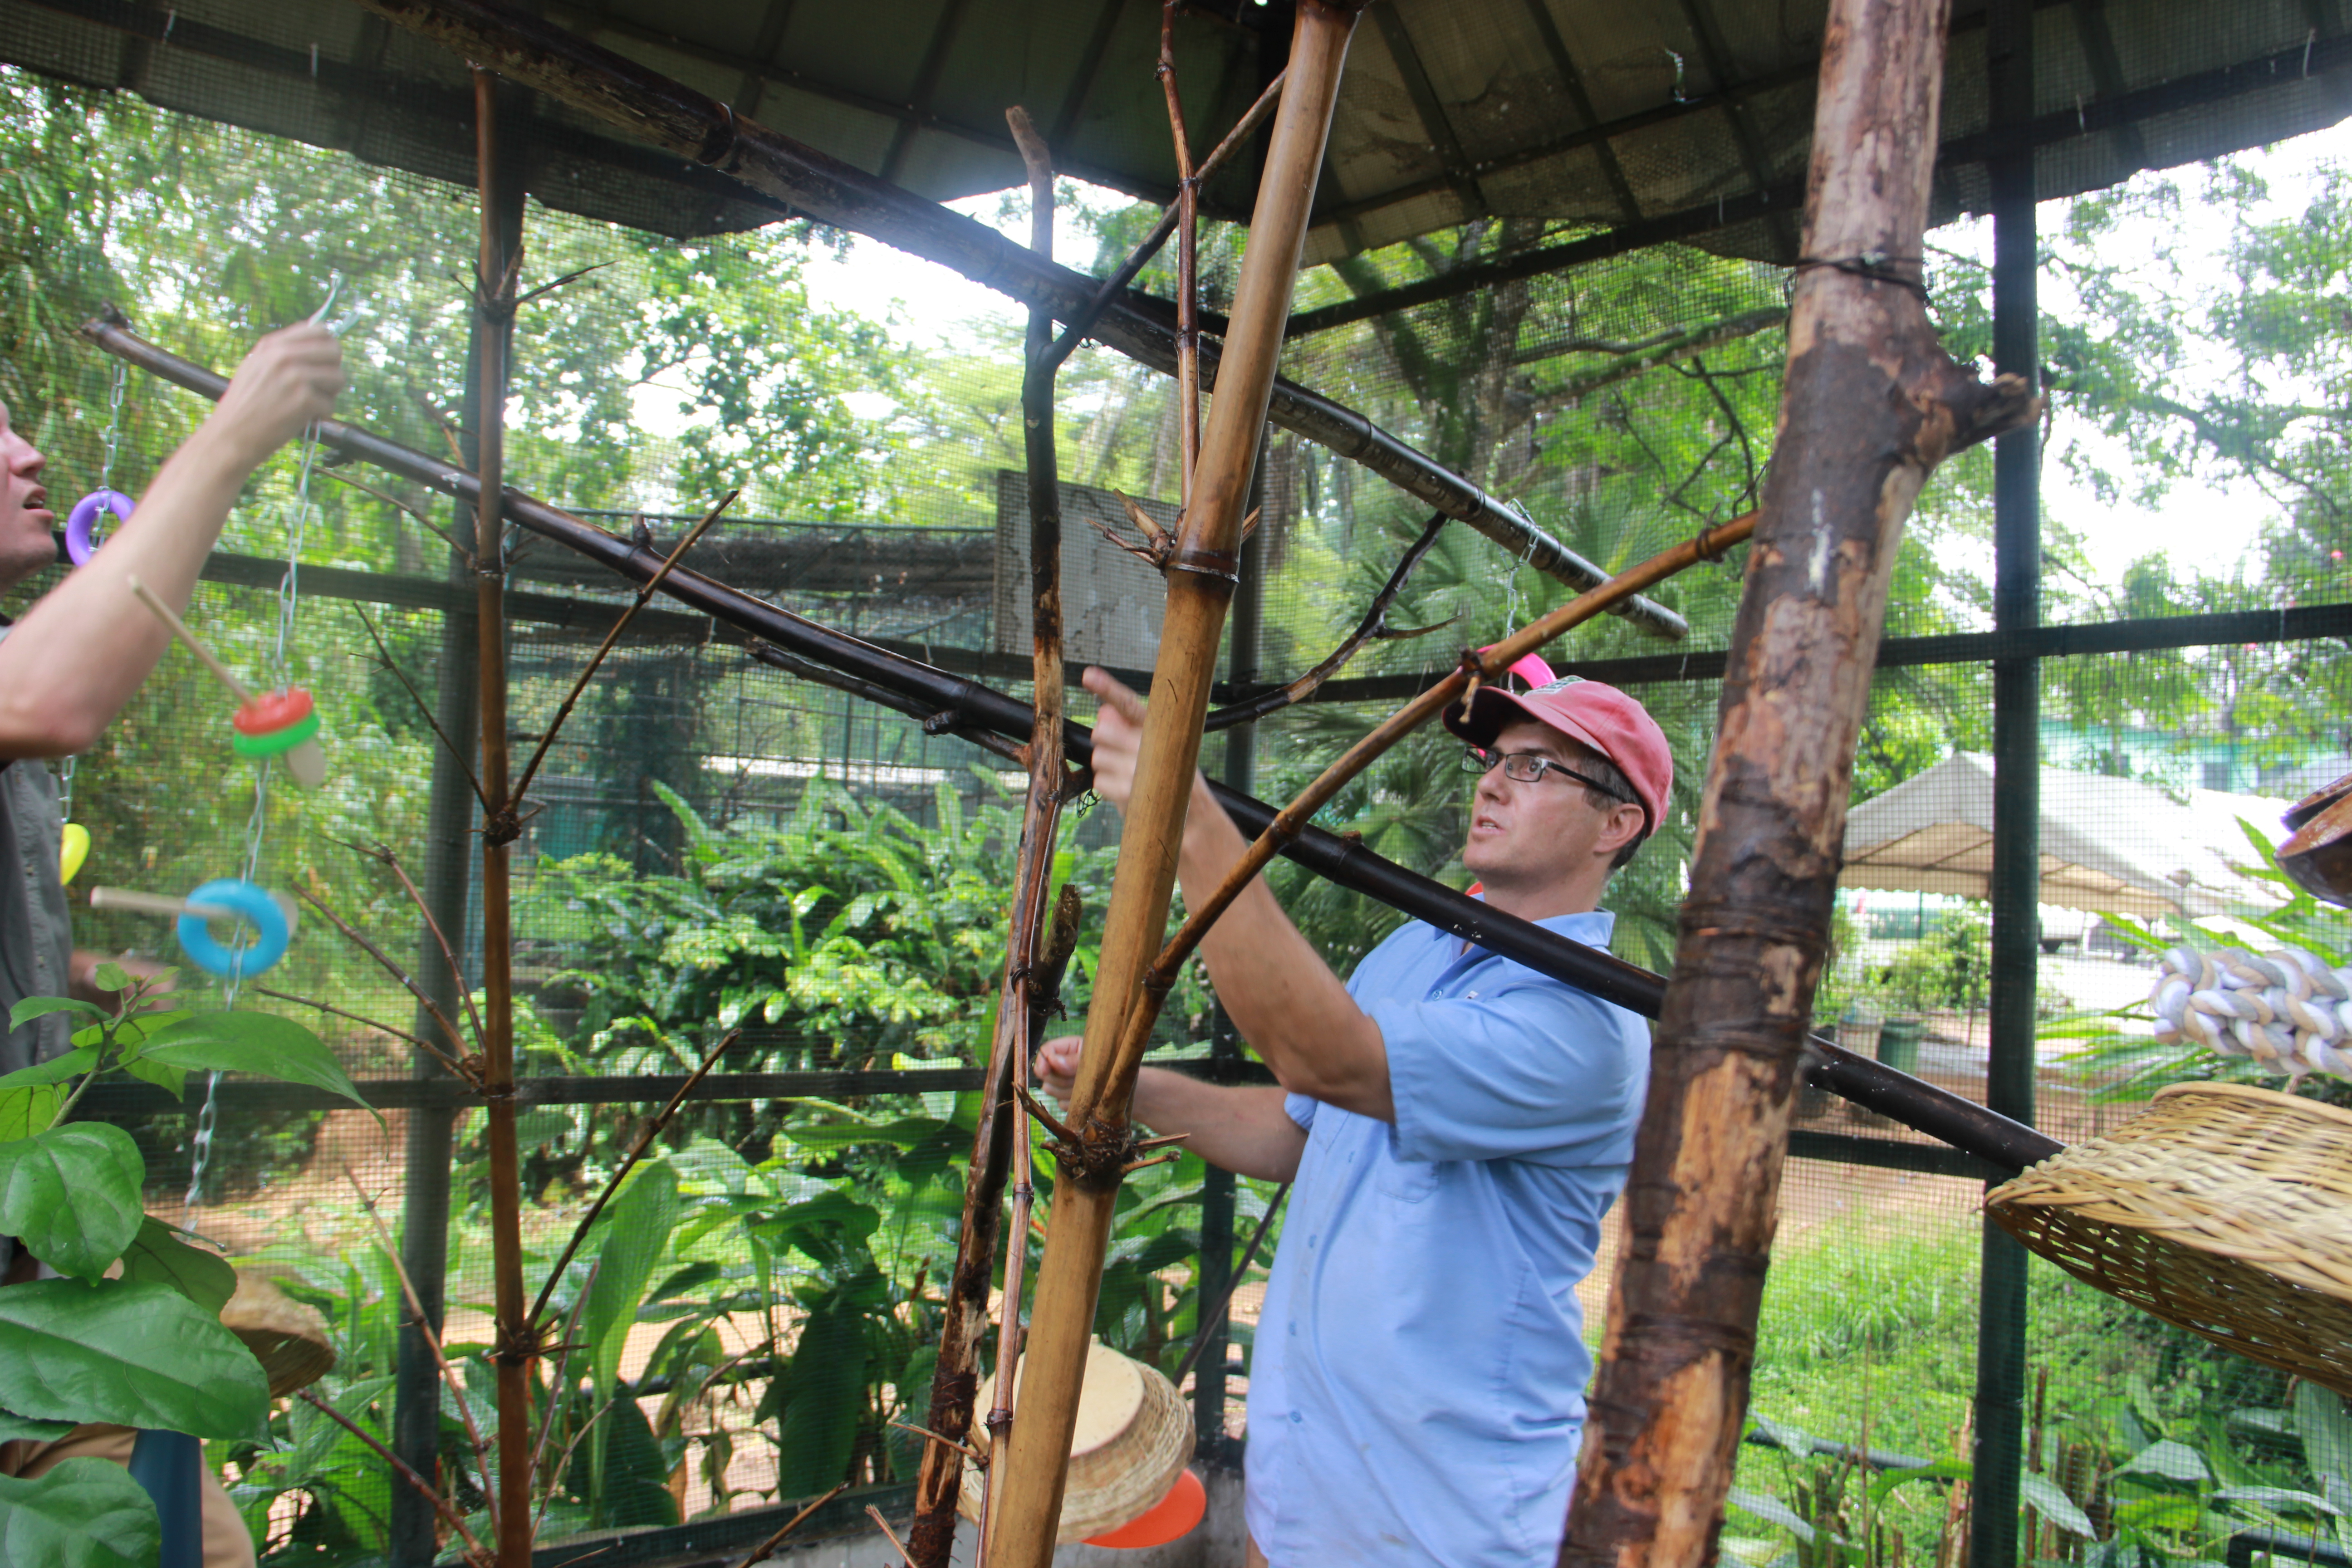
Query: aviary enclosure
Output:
(733,861)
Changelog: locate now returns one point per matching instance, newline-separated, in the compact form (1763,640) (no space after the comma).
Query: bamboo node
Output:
(1225,564)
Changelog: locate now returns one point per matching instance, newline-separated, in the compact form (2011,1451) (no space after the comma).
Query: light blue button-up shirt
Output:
(1417,1383)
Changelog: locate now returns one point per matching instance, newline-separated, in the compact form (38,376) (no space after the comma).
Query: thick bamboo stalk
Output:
(982,713)
(516,1350)
(1870,405)
(656,109)
(1199,583)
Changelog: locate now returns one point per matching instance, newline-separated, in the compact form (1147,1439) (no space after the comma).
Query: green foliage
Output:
(146,1349)
(82,1513)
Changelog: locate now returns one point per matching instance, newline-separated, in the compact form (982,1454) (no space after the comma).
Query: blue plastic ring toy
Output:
(80,545)
(215,957)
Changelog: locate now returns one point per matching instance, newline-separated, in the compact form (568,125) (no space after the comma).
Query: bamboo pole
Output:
(983,715)
(516,1350)
(690,124)
(1000,1147)
(1200,583)
(1870,405)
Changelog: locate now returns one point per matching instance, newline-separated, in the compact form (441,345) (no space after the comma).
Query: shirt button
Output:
(1470,996)
(1296,1417)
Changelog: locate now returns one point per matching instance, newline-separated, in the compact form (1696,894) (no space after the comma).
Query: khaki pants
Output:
(227,1544)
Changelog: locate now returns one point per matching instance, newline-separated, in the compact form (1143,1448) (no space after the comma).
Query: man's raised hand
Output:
(290,381)
(1057,1059)
(1119,735)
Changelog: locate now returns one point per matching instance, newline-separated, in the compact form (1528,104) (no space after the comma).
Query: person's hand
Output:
(290,380)
(1057,1060)
(1119,735)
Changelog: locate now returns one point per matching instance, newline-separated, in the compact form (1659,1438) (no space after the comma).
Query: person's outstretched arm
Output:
(1284,1000)
(1242,1129)
(80,651)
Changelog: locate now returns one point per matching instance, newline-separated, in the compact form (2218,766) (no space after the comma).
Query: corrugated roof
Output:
(1635,114)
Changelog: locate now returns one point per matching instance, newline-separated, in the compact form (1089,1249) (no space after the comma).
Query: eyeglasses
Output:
(1529,767)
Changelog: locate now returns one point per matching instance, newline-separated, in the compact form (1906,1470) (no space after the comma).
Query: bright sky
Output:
(2211,527)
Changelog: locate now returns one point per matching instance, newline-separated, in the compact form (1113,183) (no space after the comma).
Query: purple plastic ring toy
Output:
(80,545)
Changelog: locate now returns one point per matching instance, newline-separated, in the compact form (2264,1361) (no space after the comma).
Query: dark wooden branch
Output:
(1371,628)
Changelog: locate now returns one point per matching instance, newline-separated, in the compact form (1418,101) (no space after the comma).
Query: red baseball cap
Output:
(1591,714)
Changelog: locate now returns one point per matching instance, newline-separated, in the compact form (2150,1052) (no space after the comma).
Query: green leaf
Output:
(132,1353)
(258,1043)
(12,1428)
(905,1132)
(81,1513)
(2326,1430)
(172,1081)
(110,976)
(33,1008)
(1771,1511)
(157,1256)
(71,1193)
(2054,1505)
(29,1109)
(57,1069)
(2278,1497)
(637,1234)
(2174,1462)
(819,1400)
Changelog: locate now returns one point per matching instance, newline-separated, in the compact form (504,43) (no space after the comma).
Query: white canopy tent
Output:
(2108,845)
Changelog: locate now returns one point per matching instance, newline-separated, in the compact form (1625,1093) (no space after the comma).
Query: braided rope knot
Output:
(2288,1010)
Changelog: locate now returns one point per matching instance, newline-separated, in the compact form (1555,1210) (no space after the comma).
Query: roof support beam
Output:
(1572,79)
(692,126)
(2322,57)
(1429,110)
(927,83)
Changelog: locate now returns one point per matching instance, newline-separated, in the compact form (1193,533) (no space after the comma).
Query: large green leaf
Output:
(258,1043)
(1771,1511)
(818,1400)
(2326,1430)
(637,1234)
(33,1008)
(13,1427)
(27,1110)
(157,1256)
(2054,1505)
(134,1353)
(57,1069)
(72,1194)
(82,1513)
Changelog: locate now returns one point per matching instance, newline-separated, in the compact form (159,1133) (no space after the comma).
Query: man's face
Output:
(26,520)
(1532,835)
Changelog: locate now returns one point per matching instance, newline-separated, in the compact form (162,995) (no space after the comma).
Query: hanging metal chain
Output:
(281,675)
(113,437)
(1511,605)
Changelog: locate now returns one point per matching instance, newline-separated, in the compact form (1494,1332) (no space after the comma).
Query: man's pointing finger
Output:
(1115,693)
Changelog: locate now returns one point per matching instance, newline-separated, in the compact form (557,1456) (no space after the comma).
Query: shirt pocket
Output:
(1405,1181)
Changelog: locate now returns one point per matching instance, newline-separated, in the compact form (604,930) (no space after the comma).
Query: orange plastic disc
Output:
(1171,1517)
(273,710)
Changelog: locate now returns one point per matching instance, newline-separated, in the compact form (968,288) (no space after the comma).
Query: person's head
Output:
(1592,783)
(27,542)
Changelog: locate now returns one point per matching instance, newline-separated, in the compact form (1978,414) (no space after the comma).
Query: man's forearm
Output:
(1280,993)
(1240,1129)
(79,653)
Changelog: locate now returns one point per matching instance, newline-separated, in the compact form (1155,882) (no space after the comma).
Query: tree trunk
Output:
(1870,405)
(1199,583)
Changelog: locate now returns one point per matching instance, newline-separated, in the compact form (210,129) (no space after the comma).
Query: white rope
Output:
(2288,1010)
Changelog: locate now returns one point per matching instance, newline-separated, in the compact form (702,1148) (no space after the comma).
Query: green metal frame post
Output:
(2017,795)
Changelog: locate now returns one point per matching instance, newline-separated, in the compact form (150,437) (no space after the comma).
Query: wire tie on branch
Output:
(1875,266)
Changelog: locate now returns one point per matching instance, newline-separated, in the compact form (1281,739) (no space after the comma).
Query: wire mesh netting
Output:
(716,844)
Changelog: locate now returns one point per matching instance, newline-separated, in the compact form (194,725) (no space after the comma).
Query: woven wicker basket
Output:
(2224,1209)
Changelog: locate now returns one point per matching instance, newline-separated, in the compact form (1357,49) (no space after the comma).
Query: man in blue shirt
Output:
(1456,1124)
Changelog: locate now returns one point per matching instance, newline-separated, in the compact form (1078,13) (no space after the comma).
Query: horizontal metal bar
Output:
(725,1537)
(1891,1154)
(2306,623)
(110,1101)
